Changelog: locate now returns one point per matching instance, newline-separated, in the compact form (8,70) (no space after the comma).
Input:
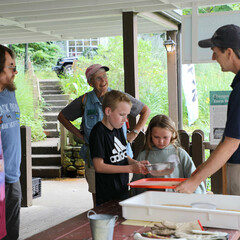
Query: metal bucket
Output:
(102,225)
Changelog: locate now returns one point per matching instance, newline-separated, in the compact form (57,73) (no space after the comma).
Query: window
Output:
(77,47)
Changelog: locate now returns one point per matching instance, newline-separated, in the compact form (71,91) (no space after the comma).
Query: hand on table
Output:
(188,186)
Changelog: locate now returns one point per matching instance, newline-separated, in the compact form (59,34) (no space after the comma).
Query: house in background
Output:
(72,48)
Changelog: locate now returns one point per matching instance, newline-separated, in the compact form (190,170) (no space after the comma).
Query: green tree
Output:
(42,54)
(211,9)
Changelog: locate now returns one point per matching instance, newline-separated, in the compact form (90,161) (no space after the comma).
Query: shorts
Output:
(233,179)
(90,177)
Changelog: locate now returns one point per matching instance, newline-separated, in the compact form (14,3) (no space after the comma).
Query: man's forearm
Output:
(217,159)
(144,114)
(69,126)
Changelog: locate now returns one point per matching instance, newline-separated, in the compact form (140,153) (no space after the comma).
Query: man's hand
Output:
(188,186)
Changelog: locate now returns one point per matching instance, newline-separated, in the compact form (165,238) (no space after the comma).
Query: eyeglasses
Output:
(99,78)
(13,68)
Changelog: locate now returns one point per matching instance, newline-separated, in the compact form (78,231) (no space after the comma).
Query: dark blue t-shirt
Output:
(232,128)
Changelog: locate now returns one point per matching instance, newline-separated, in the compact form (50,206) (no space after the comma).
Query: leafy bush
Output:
(43,55)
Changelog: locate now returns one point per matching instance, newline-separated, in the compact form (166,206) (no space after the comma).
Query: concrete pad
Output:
(61,199)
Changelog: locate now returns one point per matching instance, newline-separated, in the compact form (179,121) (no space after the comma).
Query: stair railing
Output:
(36,87)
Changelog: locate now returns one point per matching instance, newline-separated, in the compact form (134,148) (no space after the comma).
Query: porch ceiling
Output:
(24,21)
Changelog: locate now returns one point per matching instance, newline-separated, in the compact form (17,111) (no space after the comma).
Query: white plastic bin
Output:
(176,207)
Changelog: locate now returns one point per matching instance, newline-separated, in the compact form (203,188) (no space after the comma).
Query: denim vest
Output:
(92,114)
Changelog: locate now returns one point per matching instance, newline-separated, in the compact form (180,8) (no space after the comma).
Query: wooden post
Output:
(26,58)
(63,141)
(130,53)
(26,166)
(198,149)
(172,81)
(184,140)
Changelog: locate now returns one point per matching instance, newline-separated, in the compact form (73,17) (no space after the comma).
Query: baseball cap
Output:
(93,69)
(227,36)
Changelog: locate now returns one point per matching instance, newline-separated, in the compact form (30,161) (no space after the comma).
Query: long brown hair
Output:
(161,121)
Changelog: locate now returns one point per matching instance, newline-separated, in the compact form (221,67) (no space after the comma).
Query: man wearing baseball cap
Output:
(225,44)
(89,108)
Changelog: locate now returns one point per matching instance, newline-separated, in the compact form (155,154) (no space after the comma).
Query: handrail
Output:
(35,85)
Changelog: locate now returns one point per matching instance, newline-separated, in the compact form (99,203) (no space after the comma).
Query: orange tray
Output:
(160,183)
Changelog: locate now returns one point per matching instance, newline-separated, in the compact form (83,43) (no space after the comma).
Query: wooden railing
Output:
(195,145)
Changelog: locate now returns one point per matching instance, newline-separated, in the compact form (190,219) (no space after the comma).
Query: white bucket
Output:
(102,225)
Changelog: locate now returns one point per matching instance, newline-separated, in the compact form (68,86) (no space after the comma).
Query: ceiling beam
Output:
(59,4)
(73,16)
(160,20)
(36,12)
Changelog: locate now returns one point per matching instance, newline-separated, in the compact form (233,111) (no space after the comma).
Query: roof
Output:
(23,21)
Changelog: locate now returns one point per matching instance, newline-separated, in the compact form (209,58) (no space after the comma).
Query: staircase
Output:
(46,157)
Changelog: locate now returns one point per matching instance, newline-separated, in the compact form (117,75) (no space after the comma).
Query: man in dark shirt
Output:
(225,44)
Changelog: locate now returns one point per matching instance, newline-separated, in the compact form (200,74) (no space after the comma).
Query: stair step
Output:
(51,125)
(46,159)
(50,116)
(53,91)
(50,87)
(56,97)
(47,82)
(57,102)
(50,133)
(53,108)
(46,171)
(44,150)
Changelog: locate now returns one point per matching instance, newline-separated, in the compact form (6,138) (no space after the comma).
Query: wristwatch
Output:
(135,131)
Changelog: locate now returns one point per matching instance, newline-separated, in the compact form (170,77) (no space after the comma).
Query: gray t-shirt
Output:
(75,110)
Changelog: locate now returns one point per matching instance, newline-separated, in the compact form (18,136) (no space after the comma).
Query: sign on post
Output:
(218,114)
